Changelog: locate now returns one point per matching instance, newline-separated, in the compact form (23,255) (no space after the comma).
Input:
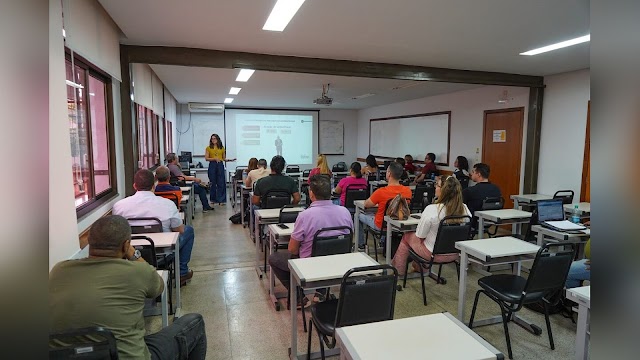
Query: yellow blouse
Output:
(215,153)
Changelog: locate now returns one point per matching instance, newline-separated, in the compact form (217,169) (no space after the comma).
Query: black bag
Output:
(558,304)
(236,218)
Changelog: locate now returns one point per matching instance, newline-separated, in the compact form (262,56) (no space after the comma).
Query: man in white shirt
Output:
(257,174)
(144,203)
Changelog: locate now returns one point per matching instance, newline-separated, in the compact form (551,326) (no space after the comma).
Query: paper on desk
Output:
(565,225)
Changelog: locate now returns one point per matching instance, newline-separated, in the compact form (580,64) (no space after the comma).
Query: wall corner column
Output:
(532,155)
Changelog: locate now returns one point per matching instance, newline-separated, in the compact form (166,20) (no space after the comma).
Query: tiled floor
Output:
(242,324)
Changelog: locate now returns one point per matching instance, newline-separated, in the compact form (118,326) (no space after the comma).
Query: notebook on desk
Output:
(551,215)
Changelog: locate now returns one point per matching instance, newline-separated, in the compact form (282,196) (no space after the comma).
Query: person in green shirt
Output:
(109,288)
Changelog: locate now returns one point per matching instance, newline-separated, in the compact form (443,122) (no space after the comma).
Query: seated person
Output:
(163,186)
(405,175)
(371,167)
(174,168)
(422,241)
(257,174)
(322,167)
(354,181)
(144,203)
(379,198)
(462,171)
(276,181)
(429,169)
(322,213)
(473,196)
(408,166)
(108,289)
(581,269)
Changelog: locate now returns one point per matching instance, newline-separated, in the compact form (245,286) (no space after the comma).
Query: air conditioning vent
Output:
(206,108)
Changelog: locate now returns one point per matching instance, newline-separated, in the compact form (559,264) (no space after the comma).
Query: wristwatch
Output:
(136,255)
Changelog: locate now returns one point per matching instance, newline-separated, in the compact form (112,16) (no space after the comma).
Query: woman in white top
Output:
(449,194)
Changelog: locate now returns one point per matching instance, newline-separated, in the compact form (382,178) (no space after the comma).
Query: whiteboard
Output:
(416,135)
(331,141)
(203,126)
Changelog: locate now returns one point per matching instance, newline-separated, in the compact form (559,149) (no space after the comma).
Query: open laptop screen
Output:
(550,210)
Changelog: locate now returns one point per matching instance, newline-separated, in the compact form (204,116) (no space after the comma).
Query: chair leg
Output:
(424,292)
(457,269)
(473,310)
(375,247)
(321,345)
(546,318)
(505,321)
(309,340)
(406,271)
(439,271)
(304,315)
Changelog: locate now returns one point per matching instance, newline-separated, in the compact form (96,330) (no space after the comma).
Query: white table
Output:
(492,251)
(164,274)
(399,225)
(359,204)
(528,199)
(244,190)
(277,236)
(584,208)
(545,235)
(166,242)
(202,174)
(265,217)
(435,336)
(582,295)
(314,273)
(501,217)
(188,205)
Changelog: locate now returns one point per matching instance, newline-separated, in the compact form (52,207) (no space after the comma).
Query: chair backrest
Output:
(338,177)
(416,199)
(366,299)
(355,192)
(372,177)
(451,230)
(550,268)
(238,173)
(148,252)
(493,203)
(169,195)
(565,195)
(292,169)
(339,243)
(274,199)
(306,173)
(340,166)
(87,344)
(288,216)
(145,225)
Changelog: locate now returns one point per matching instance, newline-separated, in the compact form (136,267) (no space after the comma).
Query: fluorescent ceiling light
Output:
(234,91)
(228,100)
(281,14)
(244,75)
(362,96)
(559,45)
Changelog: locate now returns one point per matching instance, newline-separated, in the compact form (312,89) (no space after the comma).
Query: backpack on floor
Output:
(398,208)
(236,218)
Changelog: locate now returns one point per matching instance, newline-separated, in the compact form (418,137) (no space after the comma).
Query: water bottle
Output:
(433,176)
(575,215)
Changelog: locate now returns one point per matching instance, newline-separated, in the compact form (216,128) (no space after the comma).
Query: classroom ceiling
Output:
(483,35)
(293,90)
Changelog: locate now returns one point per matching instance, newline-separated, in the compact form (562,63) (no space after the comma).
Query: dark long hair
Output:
(463,163)
(220,146)
(371,161)
(357,169)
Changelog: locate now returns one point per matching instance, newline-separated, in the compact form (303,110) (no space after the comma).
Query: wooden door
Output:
(502,149)
(585,189)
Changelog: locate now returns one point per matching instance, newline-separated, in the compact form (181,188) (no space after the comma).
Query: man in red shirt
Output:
(408,165)
(428,168)
(380,198)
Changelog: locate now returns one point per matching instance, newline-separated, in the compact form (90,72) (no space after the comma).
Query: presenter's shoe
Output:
(184,278)
(205,210)
(222,204)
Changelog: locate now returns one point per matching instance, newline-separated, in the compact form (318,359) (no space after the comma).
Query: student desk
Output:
(435,336)
(549,235)
(582,295)
(584,208)
(187,191)
(528,199)
(398,225)
(201,173)
(500,217)
(314,273)
(166,242)
(359,204)
(373,185)
(492,251)
(188,208)
(265,217)
(244,190)
(277,236)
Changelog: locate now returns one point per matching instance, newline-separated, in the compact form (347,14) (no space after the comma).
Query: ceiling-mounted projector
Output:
(324,99)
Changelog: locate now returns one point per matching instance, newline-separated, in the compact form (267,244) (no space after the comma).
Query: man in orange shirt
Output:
(163,185)
(380,198)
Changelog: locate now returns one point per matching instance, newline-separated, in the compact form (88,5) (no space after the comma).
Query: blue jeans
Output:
(185,240)
(218,189)
(578,273)
(185,338)
(202,194)
(367,219)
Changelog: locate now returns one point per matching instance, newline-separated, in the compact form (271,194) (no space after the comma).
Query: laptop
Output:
(551,215)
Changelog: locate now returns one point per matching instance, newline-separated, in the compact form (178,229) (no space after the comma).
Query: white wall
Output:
(64,226)
(184,140)
(467,112)
(564,121)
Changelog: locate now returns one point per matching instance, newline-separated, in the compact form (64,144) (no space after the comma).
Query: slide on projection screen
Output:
(266,133)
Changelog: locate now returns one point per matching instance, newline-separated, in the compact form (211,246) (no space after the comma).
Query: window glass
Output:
(99,134)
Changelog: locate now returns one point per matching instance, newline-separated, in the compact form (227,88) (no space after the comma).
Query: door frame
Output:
(484,129)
